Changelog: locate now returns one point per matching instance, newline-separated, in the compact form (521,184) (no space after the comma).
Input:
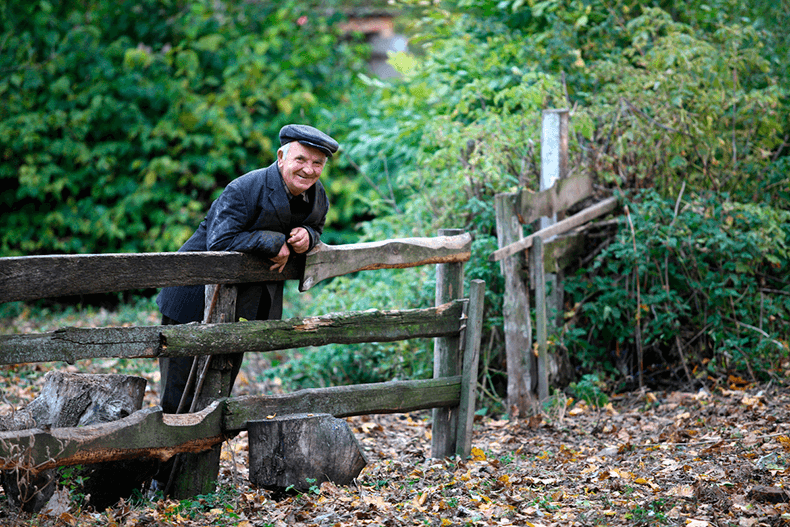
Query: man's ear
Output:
(280,157)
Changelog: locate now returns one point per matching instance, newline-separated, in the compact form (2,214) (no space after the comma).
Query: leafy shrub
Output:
(123,120)
(656,104)
(705,281)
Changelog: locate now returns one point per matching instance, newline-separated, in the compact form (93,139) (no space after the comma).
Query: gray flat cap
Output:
(307,135)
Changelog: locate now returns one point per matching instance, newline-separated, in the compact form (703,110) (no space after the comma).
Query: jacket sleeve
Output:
(315,223)
(227,225)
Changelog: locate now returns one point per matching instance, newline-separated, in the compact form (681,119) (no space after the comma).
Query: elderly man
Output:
(271,212)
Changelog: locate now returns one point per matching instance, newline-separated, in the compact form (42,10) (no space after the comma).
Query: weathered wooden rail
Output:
(455,323)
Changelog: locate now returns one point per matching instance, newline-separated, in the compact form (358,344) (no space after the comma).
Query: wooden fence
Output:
(455,324)
(531,262)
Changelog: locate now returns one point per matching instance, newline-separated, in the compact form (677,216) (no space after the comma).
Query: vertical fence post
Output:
(446,354)
(541,323)
(197,473)
(521,367)
(474,329)
(553,167)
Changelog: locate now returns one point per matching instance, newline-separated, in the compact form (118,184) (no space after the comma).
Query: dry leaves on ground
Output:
(676,458)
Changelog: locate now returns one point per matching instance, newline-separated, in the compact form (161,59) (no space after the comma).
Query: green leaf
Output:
(210,43)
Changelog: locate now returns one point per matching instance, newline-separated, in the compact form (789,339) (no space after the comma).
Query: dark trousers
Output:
(174,374)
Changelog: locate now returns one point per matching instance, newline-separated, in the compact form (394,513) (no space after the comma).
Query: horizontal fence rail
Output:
(149,433)
(33,277)
(73,344)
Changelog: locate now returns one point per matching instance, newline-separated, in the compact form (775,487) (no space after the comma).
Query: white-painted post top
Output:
(553,153)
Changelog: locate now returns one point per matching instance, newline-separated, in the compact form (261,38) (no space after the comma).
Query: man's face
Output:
(301,168)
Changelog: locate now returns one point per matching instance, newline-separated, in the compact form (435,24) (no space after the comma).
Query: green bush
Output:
(704,279)
(660,99)
(122,120)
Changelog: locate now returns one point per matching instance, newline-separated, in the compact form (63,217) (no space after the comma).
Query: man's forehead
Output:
(298,149)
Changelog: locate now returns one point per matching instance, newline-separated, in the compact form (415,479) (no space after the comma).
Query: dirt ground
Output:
(696,458)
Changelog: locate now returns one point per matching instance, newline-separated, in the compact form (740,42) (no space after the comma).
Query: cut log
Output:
(75,400)
(301,450)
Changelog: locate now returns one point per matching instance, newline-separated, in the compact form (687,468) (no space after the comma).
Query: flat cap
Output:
(309,136)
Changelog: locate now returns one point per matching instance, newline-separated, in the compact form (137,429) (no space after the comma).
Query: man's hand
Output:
(299,240)
(281,259)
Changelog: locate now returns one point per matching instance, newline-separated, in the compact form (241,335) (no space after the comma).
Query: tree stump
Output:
(301,450)
(72,400)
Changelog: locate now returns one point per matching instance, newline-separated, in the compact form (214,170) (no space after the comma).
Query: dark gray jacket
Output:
(252,215)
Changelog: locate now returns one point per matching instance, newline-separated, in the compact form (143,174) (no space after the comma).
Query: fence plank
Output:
(196,473)
(446,356)
(326,261)
(336,328)
(344,401)
(33,277)
(563,195)
(474,329)
(541,322)
(144,434)
(151,434)
(599,209)
(72,344)
(521,365)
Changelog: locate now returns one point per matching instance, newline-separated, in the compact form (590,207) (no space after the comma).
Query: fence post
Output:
(446,354)
(474,329)
(197,474)
(541,323)
(553,167)
(521,366)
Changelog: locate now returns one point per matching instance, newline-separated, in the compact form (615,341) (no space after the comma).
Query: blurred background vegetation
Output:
(121,121)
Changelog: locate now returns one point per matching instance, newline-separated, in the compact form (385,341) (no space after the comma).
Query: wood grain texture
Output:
(33,277)
(25,278)
(326,261)
(151,434)
(73,344)
(564,194)
(144,434)
(599,209)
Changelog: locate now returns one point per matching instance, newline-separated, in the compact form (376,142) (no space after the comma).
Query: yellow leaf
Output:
(557,496)
(478,455)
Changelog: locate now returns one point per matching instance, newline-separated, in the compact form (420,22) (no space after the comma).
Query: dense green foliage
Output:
(122,120)
(711,274)
(686,98)
(117,140)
